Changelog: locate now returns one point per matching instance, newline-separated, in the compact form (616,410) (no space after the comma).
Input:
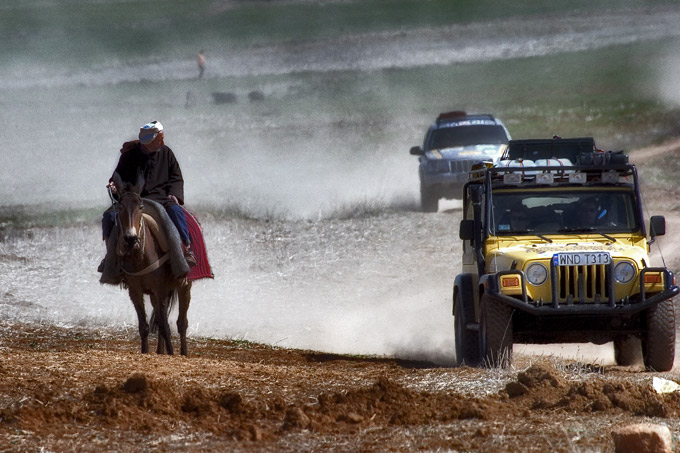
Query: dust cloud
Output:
(668,84)
(310,214)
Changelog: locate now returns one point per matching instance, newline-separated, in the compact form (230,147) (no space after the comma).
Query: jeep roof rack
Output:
(556,175)
(555,148)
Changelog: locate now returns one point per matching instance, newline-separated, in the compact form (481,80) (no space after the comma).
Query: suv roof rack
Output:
(451,115)
(457,115)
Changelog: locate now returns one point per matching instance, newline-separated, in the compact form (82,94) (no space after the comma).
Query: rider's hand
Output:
(173,198)
(112,186)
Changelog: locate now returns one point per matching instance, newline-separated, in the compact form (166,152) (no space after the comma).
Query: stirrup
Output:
(189,255)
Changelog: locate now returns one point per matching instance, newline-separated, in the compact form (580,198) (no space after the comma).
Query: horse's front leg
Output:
(160,346)
(182,321)
(160,306)
(137,298)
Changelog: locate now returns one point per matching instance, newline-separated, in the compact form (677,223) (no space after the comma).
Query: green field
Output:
(81,29)
(323,118)
(605,87)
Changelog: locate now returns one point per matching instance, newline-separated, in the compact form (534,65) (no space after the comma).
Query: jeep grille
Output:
(585,284)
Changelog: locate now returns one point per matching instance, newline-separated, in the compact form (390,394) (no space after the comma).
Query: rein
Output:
(151,267)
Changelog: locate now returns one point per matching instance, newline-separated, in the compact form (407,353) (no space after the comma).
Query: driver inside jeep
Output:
(519,218)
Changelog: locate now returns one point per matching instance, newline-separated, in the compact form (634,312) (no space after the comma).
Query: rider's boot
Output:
(189,255)
(111,274)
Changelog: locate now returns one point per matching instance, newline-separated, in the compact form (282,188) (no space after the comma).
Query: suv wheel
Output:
(658,339)
(495,333)
(467,341)
(429,199)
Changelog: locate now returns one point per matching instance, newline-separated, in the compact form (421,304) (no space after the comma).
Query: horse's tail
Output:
(153,325)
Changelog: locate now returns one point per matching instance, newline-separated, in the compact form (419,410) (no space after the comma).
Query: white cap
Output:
(149,131)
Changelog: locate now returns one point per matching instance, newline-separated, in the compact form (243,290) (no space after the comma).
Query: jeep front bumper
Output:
(606,306)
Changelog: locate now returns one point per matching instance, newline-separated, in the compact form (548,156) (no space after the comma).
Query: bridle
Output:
(142,238)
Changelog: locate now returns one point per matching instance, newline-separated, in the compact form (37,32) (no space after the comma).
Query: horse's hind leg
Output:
(160,306)
(137,298)
(182,321)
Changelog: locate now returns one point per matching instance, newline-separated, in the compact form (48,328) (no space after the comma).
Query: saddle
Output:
(202,268)
(164,232)
(156,232)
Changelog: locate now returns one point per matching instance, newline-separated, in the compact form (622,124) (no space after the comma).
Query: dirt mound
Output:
(542,388)
(388,402)
(147,405)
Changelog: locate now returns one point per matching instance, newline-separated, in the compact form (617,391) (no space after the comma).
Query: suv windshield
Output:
(449,137)
(563,212)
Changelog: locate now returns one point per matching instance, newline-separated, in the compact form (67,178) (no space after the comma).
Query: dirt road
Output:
(70,390)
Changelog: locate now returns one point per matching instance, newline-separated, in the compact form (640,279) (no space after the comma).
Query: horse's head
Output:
(130,224)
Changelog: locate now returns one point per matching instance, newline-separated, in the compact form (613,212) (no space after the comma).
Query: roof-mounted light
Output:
(481,165)
(478,168)
(512,178)
(610,177)
(545,178)
(578,178)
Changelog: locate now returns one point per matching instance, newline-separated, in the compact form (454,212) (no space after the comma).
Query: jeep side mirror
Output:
(657,226)
(467,230)
(417,151)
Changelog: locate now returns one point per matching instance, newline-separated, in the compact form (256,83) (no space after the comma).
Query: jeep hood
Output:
(468,152)
(502,258)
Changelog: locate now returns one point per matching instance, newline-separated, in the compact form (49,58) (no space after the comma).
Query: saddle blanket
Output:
(202,267)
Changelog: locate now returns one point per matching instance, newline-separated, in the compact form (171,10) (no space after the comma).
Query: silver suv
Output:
(451,146)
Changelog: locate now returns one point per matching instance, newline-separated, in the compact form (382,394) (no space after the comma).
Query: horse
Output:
(147,271)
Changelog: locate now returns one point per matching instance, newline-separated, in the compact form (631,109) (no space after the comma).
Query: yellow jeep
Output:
(555,250)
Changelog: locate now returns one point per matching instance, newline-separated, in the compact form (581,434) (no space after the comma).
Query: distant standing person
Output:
(200,59)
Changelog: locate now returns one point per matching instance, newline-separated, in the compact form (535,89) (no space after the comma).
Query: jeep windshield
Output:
(449,137)
(563,212)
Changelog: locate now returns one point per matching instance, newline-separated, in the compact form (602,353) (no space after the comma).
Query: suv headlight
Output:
(624,272)
(536,274)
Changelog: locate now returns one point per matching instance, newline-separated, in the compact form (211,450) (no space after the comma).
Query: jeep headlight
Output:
(624,272)
(536,274)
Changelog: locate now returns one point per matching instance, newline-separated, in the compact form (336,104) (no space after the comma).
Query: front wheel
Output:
(467,341)
(495,333)
(658,339)
(429,200)
(627,351)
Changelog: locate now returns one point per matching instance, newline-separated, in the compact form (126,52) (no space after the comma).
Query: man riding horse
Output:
(163,182)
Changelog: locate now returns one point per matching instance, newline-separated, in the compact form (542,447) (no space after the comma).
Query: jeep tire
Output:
(495,333)
(467,341)
(658,338)
(627,351)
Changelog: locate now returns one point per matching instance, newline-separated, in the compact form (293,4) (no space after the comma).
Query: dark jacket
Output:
(162,175)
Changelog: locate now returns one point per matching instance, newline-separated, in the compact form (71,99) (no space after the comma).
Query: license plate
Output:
(581,258)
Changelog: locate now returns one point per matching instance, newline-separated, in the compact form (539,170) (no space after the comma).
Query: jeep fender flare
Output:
(489,283)
(464,286)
